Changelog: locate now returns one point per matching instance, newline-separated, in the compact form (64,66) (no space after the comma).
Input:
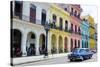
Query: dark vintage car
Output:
(80,54)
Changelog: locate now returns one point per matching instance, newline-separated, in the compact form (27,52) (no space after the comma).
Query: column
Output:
(80,43)
(49,43)
(23,44)
(69,44)
(63,43)
(57,44)
(37,44)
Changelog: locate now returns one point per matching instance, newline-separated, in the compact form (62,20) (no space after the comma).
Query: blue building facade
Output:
(85,33)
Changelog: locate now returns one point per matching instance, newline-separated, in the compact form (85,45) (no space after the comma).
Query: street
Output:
(59,60)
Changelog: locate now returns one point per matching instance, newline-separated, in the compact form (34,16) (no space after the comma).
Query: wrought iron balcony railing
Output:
(28,19)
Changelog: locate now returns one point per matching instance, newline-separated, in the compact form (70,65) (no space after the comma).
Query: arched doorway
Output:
(75,44)
(53,44)
(60,44)
(31,39)
(71,44)
(78,43)
(65,46)
(82,44)
(86,44)
(16,43)
(42,44)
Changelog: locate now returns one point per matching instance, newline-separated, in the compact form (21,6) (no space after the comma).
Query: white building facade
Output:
(27,29)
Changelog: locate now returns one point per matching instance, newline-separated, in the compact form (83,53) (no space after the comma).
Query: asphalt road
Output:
(59,60)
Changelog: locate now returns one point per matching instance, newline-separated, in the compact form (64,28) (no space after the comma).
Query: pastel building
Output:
(96,35)
(92,31)
(75,12)
(59,36)
(85,33)
(28,21)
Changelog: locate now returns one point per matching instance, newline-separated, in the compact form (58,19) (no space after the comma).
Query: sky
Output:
(90,10)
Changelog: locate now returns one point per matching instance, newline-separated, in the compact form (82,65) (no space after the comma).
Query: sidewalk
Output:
(23,60)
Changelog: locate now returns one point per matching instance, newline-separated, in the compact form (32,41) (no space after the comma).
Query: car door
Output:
(87,52)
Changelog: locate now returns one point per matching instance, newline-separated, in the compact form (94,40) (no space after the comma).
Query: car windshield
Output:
(75,50)
(81,50)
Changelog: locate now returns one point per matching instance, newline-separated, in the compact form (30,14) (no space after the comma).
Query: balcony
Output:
(77,17)
(91,37)
(22,17)
(73,32)
(92,27)
(52,25)
(66,30)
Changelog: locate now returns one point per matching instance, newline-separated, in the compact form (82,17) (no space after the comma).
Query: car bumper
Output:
(75,57)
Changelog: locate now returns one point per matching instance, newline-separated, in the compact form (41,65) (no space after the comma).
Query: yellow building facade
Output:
(59,35)
(92,41)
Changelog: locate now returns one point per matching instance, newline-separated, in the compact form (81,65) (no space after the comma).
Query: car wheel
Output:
(90,57)
(82,58)
(71,60)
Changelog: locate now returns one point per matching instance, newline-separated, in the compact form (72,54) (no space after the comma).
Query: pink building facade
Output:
(75,12)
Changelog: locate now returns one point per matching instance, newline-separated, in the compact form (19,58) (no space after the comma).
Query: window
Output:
(18,8)
(54,18)
(32,13)
(71,27)
(82,50)
(66,25)
(71,11)
(79,30)
(75,28)
(43,17)
(65,9)
(61,23)
(75,14)
(79,16)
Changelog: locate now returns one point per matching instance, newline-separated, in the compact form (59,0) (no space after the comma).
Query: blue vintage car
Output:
(80,54)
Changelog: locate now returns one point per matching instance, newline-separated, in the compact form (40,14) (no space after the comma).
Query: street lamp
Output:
(47,28)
